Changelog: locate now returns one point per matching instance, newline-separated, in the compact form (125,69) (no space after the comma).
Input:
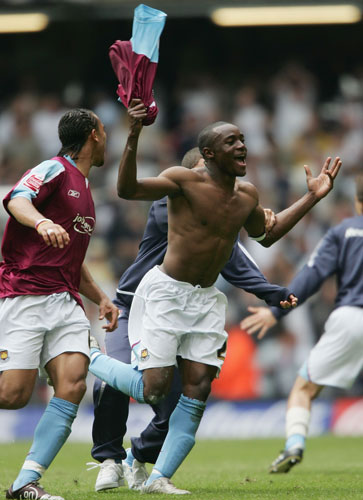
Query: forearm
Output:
(127,173)
(287,219)
(24,211)
(89,288)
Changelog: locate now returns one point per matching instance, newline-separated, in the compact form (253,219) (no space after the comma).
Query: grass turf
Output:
(217,470)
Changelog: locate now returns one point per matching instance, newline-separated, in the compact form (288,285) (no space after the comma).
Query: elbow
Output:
(267,242)
(123,192)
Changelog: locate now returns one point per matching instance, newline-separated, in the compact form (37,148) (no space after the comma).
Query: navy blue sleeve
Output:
(242,272)
(160,214)
(322,263)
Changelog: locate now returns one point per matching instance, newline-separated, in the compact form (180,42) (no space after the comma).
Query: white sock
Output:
(297,421)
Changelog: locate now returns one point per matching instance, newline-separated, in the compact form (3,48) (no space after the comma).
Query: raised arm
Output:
(318,188)
(128,185)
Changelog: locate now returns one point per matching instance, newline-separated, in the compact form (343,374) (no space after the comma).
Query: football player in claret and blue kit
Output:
(43,323)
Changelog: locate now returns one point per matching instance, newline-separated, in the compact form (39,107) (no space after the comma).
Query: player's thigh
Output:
(336,359)
(22,332)
(68,331)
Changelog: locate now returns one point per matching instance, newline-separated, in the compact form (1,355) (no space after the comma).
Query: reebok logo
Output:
(73,193)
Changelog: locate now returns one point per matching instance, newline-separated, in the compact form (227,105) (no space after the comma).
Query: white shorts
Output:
(337,358)
(37,328)
(170,318)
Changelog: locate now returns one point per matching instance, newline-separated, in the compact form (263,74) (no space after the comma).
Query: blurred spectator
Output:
(45,123)
(240,377)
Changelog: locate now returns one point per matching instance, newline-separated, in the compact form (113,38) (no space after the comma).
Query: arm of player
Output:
(322,263)
(25,213)
(128,185)
(241,271)
(270,219)
(93,292)
(318,187)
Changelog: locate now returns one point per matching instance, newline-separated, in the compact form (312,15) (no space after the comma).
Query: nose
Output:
(240,145)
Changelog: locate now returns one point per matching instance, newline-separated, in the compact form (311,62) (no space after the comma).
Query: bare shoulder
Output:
(179,174)
(248,189)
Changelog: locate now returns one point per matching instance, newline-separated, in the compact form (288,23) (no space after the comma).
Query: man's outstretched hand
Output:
(323,183)
(260,320)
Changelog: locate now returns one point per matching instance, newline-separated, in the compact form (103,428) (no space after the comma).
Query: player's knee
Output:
(154,394)
(198,391)
(72,390)
(156,385)
(79,388)
(14,400)
(309,388)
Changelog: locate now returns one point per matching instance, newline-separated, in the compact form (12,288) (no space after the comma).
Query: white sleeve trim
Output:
(247,254)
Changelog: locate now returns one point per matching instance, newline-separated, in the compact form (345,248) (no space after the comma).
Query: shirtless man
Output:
(176,310)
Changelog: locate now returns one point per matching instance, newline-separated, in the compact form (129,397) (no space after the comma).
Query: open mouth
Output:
(241,159)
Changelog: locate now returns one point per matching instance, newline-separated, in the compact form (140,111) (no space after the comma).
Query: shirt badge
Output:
(144,355)
(4,355)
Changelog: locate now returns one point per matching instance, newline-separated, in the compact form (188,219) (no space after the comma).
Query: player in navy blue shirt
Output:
(111,406)
(336,359)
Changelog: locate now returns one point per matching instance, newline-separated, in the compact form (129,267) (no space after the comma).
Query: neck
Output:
(83,163)
(220,177)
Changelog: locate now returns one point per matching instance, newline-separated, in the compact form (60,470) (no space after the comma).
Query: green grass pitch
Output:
(217,470)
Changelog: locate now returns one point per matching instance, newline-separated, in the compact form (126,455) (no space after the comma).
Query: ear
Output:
(94,135)
(358,206)
(208,153)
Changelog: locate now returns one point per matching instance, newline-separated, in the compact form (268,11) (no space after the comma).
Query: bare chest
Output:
(221,214)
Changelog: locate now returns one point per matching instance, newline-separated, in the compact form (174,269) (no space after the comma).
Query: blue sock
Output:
(118,375)
(50,434)
(129,457)
(183,425)
(295,441)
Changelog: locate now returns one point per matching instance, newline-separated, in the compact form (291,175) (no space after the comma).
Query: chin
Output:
(99,163)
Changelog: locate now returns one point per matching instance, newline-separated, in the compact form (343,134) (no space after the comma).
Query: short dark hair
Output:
(73,130)
(208,135)
(359,187)
(191,158)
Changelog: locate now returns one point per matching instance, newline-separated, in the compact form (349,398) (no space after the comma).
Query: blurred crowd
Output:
(287,123)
